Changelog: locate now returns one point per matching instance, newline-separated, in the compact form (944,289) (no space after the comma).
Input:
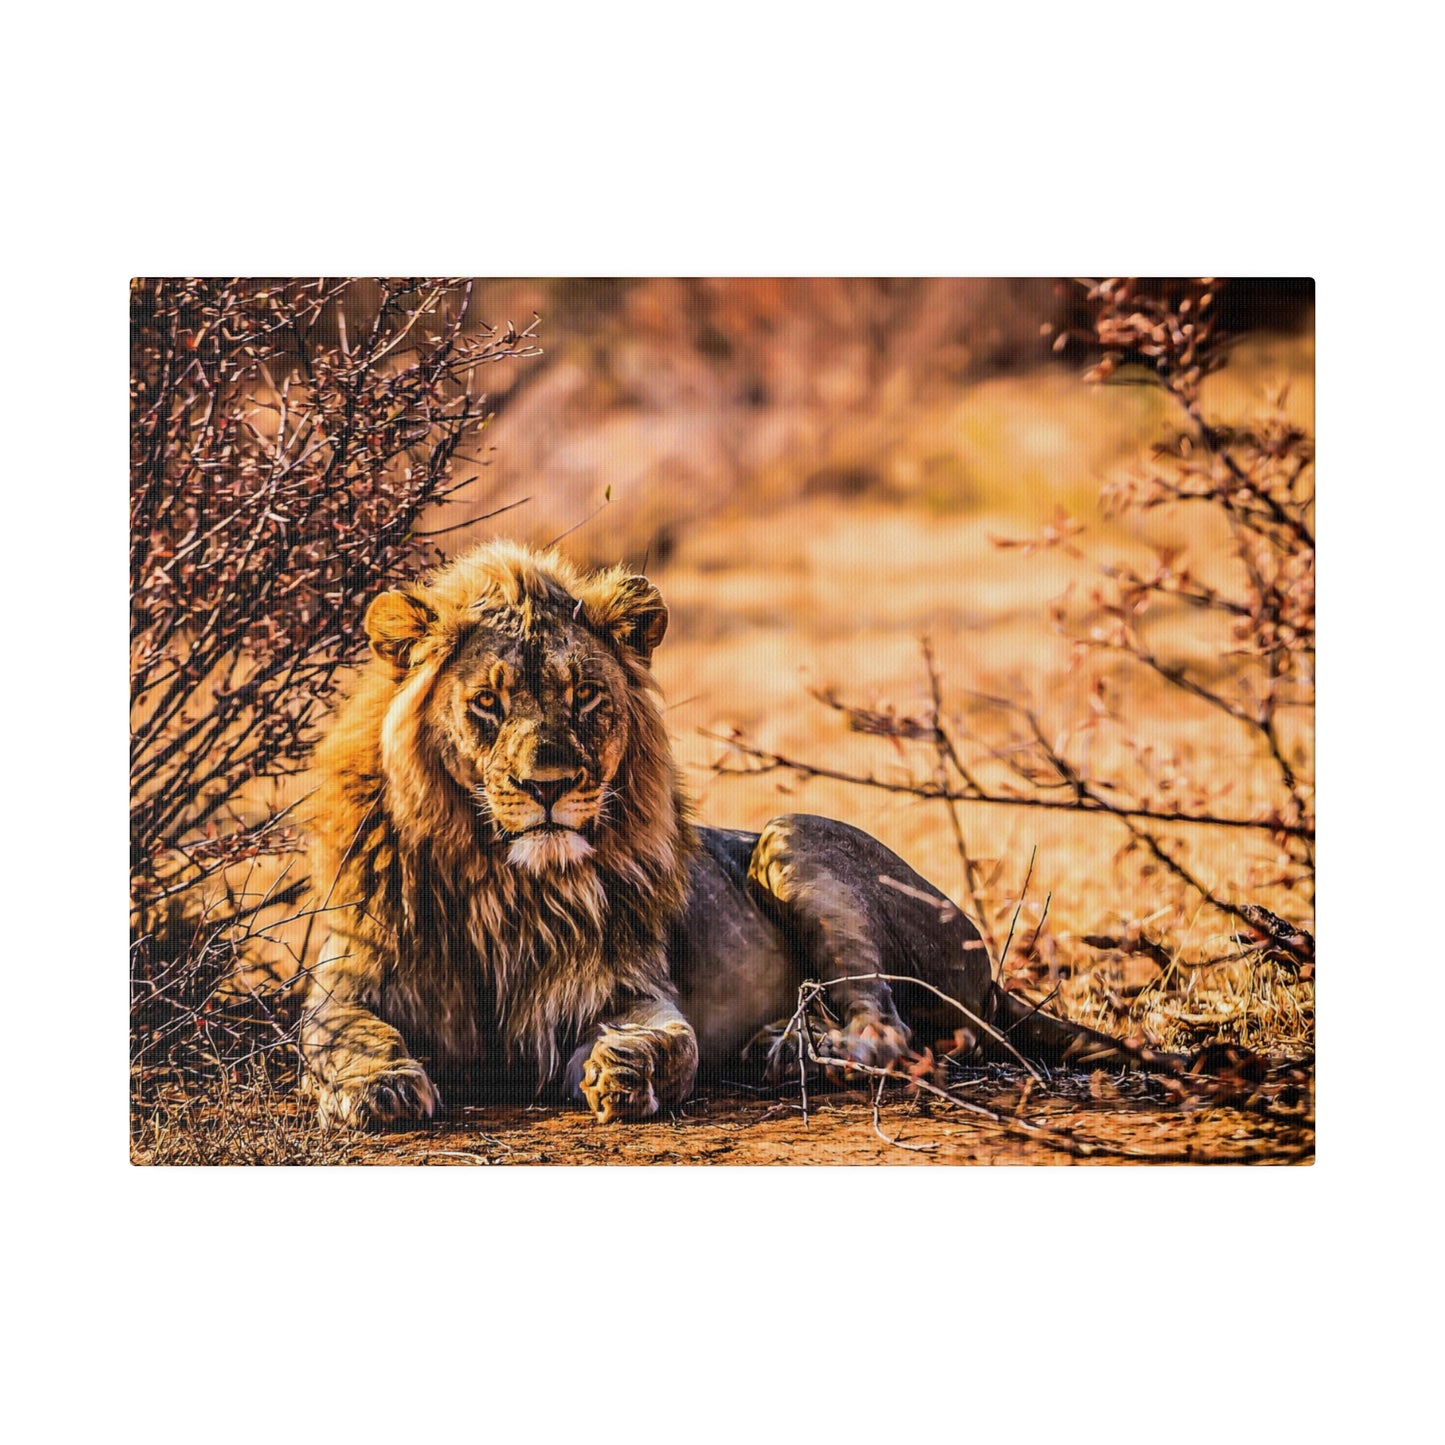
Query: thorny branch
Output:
(279,471)
(916,1075)
(289,439)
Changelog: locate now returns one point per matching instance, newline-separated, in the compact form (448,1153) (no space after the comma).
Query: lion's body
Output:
(504,861)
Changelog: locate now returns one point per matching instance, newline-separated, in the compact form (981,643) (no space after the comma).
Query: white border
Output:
(745,140)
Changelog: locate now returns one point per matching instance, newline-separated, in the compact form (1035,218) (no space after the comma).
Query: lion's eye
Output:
(487,703)
(586,696)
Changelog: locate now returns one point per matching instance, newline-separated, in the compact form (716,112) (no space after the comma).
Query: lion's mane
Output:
(464,948)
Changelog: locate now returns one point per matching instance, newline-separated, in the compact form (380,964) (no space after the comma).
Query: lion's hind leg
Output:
(851,907)
(818,896)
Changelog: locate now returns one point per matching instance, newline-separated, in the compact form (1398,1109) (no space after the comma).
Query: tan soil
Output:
(1129,1121)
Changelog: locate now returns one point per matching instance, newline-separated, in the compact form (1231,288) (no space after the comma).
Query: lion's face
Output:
(530,722)
(527,684)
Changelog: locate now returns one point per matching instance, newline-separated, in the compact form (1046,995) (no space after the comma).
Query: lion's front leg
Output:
(363,1073)
(361,1066)
(643,1062)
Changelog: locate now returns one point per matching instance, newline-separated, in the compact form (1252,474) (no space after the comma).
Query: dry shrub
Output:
(287,439)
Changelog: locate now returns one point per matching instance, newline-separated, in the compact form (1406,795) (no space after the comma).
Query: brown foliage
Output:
(279,469)
(287,438)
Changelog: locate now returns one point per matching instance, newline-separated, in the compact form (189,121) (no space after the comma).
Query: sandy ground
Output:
(1115,1122)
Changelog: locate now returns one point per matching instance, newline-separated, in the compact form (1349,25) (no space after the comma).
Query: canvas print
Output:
(798,721)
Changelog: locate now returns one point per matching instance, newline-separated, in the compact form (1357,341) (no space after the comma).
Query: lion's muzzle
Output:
(547,791)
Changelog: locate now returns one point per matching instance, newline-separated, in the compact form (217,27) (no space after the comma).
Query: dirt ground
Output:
(1070,1119)
(840,1130)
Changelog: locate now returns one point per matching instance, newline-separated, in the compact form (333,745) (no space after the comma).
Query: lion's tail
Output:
(1058,1043)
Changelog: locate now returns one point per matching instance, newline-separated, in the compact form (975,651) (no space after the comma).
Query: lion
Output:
(517,899)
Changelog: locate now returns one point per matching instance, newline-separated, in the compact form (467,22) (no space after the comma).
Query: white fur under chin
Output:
(542,850)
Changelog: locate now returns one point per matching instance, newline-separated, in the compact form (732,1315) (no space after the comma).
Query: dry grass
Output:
(230,1124)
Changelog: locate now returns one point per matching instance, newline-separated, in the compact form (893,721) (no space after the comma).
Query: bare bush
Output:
(274,479)
(288,439)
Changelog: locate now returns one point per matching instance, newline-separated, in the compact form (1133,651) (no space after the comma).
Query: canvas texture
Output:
(722,721)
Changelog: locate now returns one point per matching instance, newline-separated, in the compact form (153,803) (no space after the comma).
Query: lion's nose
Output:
(547,791)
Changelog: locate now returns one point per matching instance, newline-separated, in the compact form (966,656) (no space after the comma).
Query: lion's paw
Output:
(617,1077)
(864,1040)
(398,1093)
(633,1071)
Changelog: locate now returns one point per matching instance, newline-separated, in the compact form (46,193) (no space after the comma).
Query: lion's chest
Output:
(446,1009)
(497,995)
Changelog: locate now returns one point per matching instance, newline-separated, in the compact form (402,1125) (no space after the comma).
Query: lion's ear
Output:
(631,611)
(395,623)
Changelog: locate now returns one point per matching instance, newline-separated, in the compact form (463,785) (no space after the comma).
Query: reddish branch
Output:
(286,440)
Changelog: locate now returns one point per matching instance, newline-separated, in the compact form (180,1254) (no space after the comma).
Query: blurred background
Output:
(702,401)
